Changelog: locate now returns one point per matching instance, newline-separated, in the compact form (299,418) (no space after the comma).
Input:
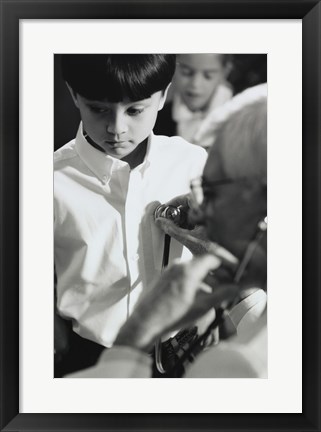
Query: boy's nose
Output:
(116,124)
(196,81)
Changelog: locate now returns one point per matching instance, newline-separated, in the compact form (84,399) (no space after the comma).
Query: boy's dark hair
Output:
(115,77)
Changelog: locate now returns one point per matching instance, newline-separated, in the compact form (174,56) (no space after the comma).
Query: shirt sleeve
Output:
(228,360)
(198,161)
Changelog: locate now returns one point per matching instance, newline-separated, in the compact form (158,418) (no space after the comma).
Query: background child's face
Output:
(197,77)
(118,128)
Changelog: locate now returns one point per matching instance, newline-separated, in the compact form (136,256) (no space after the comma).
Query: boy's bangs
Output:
(118,77)
(127,80)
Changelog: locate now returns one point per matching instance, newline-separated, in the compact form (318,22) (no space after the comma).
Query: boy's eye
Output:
(134,111)
(98,110)
(209,75)
(186,72)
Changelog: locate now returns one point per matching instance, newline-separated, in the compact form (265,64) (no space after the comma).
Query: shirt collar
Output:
(103,165)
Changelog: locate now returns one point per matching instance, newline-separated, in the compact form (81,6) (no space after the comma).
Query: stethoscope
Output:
(248,254)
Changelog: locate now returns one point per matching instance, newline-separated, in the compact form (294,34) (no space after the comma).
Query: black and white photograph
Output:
(160,216)
(160,211)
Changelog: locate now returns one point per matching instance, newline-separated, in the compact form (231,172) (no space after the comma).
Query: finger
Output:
(196,216)
(226,256)
(168,226)
(179,200)
(203,302)
(200,266)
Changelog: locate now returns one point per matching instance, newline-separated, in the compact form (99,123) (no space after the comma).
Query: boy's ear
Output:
(73,95)
(163,98)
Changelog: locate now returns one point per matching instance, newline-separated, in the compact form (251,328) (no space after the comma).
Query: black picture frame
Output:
(11,12)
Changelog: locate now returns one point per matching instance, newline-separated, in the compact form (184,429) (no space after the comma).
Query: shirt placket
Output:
(133,215)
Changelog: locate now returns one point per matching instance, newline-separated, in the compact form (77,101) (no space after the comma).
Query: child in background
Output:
(107,183)
(200,87)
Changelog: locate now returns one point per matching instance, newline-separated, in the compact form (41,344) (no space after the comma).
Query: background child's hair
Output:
(116,77)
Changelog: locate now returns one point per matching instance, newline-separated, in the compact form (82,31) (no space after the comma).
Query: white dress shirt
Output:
(107,246)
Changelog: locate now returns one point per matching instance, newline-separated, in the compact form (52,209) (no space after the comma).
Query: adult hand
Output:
(192,236)
(181,204)
(196,241)
(174,301)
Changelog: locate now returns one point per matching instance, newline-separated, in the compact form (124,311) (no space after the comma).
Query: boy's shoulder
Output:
(177,144)
(65,153)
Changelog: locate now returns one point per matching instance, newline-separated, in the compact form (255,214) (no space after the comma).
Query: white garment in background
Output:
(207,131)
(188,122)
(243,355)
(107,246)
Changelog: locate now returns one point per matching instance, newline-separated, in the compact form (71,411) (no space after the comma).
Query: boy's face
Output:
(118,128)
(197,77)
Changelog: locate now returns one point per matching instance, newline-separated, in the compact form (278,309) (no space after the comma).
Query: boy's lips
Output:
(193,96)
(115,143)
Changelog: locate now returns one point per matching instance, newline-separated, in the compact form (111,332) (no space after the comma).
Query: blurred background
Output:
(247,70)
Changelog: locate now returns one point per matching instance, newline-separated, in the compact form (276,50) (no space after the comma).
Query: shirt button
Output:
(135,257)
(105,179)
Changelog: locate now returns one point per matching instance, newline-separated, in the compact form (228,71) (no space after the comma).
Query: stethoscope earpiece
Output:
(262,225)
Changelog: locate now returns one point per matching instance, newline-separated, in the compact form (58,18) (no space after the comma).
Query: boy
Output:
(200,87)
(108,182)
